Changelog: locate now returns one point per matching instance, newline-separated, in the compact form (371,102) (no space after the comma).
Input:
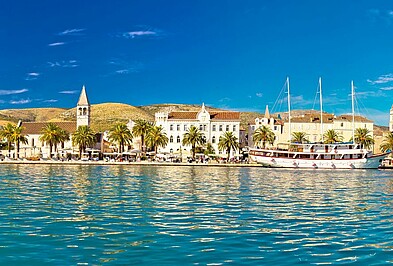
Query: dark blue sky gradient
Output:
(228,54)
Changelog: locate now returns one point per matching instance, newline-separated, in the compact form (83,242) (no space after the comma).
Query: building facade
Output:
(310,123)
(212,124)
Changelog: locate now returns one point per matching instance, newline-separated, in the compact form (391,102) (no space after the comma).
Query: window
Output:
(178,127)
(171,127)
(227,128)
(214,139)
(342,124)
(32,142)
(214,128)
(200,127)
(275,127)
(185,127)
(171,139)
(234,127)
(204,127)
(178,139)
(220,128)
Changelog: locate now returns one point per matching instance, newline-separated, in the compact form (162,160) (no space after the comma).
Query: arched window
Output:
(80,111)
(214,139)
(178,139)
(171,139)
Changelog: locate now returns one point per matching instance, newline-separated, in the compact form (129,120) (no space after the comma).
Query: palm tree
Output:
(63,136)
(387,143)
(140,129)
(17,137)
(193,137)
(227,142)
(363,137)
(299,137)
(52,135)
(121,134)
(332,136)
(209,149)
(156,138)
(6,133)
(263,135)
(83,137)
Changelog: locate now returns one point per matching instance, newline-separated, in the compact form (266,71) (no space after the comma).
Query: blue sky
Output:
(232,54)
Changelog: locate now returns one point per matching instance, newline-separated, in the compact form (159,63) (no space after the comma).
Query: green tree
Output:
(387,143)
(83,137)
(263,135)
(52,135)
(332,136)
(120,134)
(209,149)
(227,142)
(299,137)
(156,137)
(140,129)
(18,137)
(7,133)
(193,137)
(363,137)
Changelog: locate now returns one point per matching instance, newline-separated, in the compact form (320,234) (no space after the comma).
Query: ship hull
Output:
(373,162)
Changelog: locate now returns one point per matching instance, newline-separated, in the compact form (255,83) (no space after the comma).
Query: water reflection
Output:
(206,215)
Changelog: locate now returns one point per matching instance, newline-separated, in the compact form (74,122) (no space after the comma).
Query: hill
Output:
(29,114)
(104,115)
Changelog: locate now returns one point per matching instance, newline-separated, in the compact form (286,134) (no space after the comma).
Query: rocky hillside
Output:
(104,115)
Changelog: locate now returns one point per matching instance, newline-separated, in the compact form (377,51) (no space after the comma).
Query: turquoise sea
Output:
(160,215)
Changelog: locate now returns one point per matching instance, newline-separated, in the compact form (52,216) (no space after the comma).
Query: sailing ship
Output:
(317,155)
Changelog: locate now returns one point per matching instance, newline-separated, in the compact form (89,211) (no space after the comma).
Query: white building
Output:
(212,124)
(310,123)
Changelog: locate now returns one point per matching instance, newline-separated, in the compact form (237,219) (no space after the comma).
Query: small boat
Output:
(317,155)
(387,163)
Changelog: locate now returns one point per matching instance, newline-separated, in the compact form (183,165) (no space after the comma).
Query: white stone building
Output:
(212,124)
(310,123)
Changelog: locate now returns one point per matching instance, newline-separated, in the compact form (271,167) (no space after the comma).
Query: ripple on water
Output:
(193,215)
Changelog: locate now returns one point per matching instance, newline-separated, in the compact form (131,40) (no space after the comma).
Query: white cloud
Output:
(65,64)
(56,44)
(382,79)
(32,76)
(259,94)
(22,101)
(51,101)
(11,92)
(68,92)
(133,34)
(387,88)
(71,32)
(122,71)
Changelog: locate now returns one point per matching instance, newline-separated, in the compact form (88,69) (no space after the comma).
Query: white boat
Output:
(317,155)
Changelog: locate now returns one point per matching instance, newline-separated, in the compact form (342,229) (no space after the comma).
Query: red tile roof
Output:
(213,115)
(36,127)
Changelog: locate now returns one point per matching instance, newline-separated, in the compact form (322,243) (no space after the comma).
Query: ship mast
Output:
(353,112)
(289,110)
(320,102)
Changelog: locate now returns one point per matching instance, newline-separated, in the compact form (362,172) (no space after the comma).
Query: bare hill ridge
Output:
(104,115)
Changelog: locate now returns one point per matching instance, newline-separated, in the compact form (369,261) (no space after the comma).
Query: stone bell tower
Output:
(83,110)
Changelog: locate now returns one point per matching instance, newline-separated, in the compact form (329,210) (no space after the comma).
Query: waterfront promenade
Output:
(73,162)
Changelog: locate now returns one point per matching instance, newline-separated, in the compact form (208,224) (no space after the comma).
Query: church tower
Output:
(83,110)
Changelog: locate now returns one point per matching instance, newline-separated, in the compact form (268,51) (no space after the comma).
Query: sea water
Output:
(196,215)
